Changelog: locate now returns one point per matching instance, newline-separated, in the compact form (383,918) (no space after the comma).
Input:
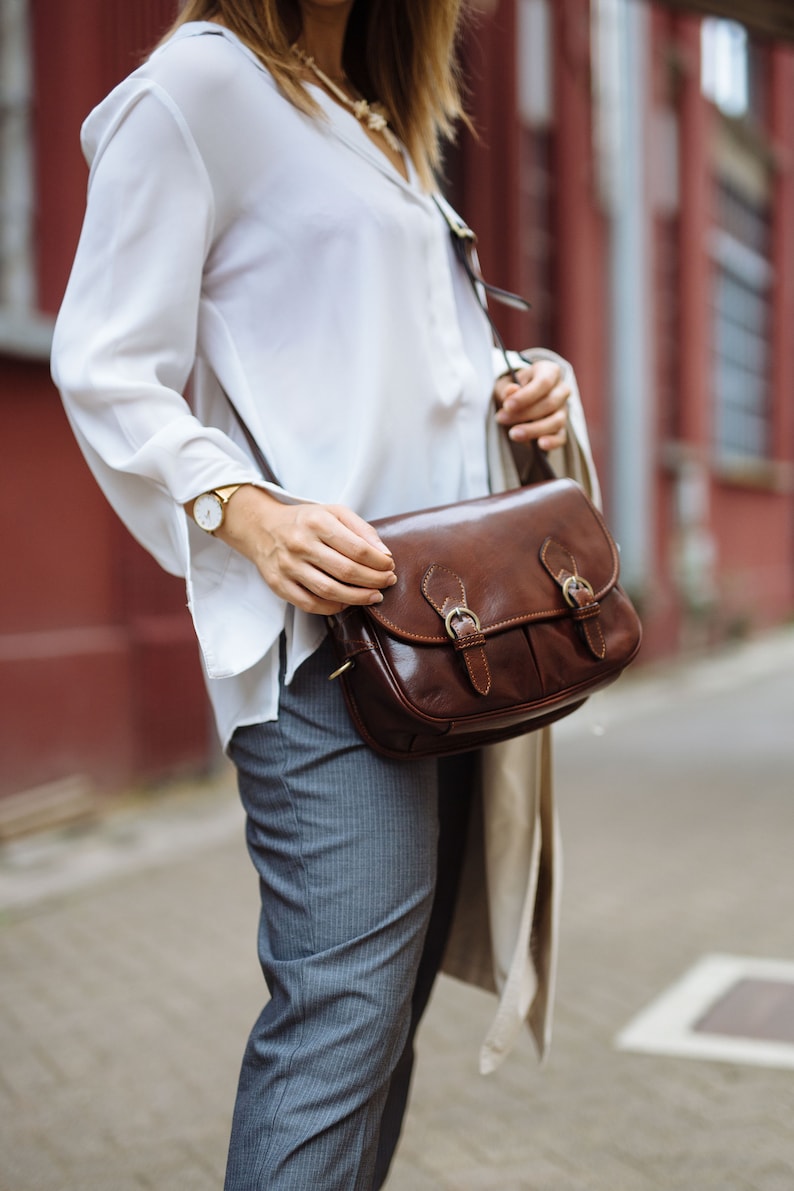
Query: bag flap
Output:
(505,557)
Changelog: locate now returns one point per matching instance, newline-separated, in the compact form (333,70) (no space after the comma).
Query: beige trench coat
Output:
(504,933)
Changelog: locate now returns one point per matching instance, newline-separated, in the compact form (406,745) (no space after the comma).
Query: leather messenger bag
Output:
(506,615)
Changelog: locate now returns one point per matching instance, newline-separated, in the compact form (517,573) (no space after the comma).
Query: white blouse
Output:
(230,240)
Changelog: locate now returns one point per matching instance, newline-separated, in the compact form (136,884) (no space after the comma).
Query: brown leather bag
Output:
(507,613)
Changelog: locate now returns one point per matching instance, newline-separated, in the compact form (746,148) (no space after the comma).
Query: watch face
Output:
(208,511)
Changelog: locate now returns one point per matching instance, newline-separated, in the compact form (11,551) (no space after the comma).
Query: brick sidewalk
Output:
(129,977)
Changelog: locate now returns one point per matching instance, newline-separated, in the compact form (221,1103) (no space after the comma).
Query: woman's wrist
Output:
(250,512)
(229,512)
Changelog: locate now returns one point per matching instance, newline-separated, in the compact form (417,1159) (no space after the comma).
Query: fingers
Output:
(331,539)
(318,557)
(540,392)
(538,379)
(536,407)
(382,559)
(549,433)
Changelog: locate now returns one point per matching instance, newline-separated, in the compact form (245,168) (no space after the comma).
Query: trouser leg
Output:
(345,846)
(455,781)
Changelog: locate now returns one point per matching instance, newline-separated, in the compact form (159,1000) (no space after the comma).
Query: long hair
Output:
(400,53)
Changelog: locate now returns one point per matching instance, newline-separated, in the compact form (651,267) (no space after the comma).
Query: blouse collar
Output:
(343,124)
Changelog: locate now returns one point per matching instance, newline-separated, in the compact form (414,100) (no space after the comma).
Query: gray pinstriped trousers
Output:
(345,845)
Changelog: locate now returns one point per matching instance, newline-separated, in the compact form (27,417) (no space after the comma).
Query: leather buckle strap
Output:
(446,593)
(460,610)
(577,592)
(463,627)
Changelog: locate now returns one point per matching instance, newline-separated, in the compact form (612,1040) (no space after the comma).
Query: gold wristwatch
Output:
(209,509)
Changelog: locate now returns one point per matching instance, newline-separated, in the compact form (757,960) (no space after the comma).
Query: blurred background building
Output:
(633,176)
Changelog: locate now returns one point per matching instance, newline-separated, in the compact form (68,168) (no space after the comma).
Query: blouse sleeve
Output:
(125,338)
(124,348)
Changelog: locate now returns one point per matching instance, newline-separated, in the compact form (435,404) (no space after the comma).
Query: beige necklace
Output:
(370,114)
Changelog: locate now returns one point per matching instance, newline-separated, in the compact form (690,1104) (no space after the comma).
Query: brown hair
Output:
(400,53)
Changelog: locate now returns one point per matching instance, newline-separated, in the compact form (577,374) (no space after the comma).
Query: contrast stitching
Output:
(428,574)
(474,680)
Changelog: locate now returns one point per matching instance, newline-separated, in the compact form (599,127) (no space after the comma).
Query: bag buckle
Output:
(460,610)
(572,584)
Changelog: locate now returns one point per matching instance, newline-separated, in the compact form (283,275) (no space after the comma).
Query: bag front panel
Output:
(540,649)
(486,554)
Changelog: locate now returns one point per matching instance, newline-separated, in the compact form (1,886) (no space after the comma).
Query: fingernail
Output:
(376,598)
(392,580)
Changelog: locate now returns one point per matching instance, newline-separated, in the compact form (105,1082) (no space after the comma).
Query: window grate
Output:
(741,320)
(17,287)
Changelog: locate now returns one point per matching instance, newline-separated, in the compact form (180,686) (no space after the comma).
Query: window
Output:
(15,173)
(725,65)
(21,331)
(732,70)
(732,77)
(741,323)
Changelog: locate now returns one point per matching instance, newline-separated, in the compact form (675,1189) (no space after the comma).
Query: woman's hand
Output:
(536,407)
(318,557)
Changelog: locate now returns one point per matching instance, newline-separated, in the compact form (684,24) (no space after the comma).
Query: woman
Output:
(256,230)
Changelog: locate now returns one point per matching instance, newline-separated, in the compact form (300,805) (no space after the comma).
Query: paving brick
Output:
(26,1165)
(129,976)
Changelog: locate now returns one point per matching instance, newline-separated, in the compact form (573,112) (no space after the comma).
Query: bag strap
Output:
(464,241)
(253,445)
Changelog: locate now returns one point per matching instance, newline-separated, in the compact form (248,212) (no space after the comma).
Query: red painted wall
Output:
(98,667)
(751,515)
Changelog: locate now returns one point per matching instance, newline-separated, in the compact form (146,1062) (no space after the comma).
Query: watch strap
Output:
(225,494)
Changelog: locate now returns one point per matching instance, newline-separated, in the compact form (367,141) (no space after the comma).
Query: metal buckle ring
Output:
(575,581)
(343,669)
(461,610)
